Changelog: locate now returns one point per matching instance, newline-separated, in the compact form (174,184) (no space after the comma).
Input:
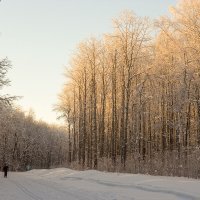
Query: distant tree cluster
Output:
(132,98)
(25,141)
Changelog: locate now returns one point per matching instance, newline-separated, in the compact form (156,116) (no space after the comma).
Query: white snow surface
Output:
(66,184)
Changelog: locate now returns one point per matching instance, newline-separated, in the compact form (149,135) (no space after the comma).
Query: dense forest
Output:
(23,140)
(132,97)
(131,102)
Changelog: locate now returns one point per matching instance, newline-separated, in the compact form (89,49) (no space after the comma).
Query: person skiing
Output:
(5,170)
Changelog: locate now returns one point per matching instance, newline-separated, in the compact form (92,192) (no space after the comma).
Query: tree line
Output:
(25,141)
(132,98)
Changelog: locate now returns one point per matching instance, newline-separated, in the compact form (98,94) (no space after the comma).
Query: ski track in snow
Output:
(66,184)
(148,188)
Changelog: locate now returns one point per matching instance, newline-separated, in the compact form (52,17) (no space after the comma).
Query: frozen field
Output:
(66,184)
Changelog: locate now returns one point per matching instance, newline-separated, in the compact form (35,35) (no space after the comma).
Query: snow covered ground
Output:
(66,184)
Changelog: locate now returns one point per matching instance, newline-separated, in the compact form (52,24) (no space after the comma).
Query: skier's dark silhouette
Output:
(5,170)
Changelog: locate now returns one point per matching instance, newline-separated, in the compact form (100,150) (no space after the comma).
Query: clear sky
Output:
(39,36)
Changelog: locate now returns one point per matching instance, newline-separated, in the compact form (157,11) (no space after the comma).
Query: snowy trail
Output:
(66,184)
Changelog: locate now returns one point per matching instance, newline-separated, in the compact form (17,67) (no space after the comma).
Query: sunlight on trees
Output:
(132,100)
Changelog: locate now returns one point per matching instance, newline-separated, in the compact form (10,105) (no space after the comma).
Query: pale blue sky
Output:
(39,36)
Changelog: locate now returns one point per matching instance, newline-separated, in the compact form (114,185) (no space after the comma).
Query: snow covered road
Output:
(66,184)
